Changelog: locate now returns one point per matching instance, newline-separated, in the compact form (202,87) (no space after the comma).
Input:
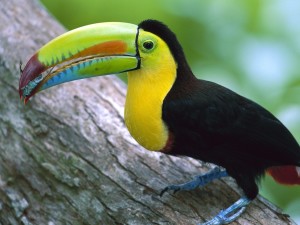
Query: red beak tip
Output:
(25,100)
(31,71)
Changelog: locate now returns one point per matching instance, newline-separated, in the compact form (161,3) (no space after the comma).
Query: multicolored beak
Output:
(89,51)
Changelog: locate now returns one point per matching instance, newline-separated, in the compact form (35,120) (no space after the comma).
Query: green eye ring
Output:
(148,45)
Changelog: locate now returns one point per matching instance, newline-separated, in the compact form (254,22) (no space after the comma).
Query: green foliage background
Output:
(250,46)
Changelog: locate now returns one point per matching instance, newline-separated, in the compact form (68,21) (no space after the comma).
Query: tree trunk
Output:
(67,158)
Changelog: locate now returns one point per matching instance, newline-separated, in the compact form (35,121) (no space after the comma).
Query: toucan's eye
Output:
(148,45)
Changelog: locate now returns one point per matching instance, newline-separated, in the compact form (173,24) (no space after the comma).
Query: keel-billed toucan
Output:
(168,109)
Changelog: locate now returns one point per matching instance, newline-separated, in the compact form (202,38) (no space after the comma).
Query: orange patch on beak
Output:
(107,48)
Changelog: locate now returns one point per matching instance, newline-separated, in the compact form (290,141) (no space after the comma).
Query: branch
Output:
(67,158)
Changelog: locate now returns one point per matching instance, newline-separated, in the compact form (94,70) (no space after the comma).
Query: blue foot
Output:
(230,214)
(198,181)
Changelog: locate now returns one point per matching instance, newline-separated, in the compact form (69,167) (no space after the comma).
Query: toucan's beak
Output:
(89,51)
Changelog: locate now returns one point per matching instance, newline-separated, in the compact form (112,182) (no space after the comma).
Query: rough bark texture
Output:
(67,158)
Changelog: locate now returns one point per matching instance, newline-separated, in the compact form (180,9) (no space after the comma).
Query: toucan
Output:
(168,109)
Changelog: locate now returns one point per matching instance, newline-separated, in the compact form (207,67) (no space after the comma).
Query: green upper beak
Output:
(93,50)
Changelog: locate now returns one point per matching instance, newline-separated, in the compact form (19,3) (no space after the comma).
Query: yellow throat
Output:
(147,89)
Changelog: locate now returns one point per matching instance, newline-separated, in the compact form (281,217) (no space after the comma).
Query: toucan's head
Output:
(99,49)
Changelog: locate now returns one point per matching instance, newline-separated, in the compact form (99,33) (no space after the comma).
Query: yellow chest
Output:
(143,108)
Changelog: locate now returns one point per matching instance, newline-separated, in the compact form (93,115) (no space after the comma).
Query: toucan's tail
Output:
(288,175)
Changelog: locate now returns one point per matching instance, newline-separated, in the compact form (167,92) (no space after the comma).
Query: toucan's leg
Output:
(200,180)
(230,214)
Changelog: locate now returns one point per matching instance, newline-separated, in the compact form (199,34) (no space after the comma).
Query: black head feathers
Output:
(158,28)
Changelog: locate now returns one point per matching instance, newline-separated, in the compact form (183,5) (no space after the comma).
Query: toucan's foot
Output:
(198,181)
(230,214)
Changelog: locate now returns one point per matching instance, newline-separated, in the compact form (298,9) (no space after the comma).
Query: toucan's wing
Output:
(230,126)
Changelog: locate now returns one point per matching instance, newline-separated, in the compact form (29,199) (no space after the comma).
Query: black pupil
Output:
(148,45)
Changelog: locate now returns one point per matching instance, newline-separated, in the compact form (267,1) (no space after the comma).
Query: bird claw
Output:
(201,180)
(230,214)
(183,187)
(222,219)
(215,221)
(174,188)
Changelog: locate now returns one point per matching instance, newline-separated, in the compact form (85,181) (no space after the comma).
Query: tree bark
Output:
(67,158)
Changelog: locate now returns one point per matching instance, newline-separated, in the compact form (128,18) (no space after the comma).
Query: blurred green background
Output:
(250,46)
